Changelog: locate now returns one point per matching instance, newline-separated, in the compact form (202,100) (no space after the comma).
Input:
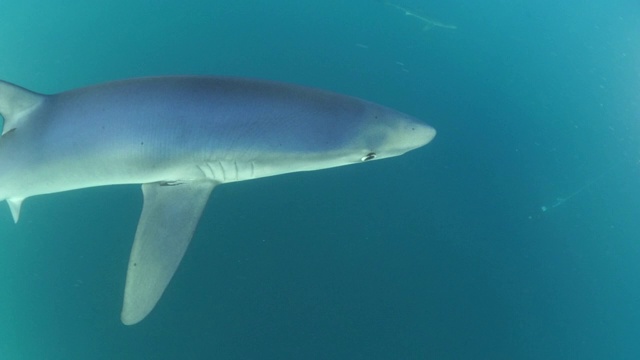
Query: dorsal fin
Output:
(14,102)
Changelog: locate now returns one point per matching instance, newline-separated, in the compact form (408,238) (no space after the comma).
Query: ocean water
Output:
(514,235)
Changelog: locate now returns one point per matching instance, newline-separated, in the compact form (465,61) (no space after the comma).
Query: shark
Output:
(180,137)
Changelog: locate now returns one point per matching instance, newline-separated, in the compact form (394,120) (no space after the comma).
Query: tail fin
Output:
(14,103)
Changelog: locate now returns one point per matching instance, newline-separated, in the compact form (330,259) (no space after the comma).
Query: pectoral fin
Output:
(169,217)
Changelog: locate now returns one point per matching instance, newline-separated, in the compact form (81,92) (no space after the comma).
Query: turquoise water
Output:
(444,253)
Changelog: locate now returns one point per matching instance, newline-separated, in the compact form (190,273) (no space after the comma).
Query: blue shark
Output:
(180,137)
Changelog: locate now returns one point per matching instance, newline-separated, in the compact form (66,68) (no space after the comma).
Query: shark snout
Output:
(412,134)
(405,135)
(419,134)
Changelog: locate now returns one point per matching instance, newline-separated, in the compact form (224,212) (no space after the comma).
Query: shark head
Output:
(362,133)
(316,130)
(388,133)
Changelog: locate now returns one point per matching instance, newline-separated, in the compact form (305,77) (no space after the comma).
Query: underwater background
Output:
(513,235)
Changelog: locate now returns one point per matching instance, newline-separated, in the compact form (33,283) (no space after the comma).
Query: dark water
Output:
(444,253)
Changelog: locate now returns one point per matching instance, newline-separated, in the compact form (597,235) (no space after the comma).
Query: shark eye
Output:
(369,156)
